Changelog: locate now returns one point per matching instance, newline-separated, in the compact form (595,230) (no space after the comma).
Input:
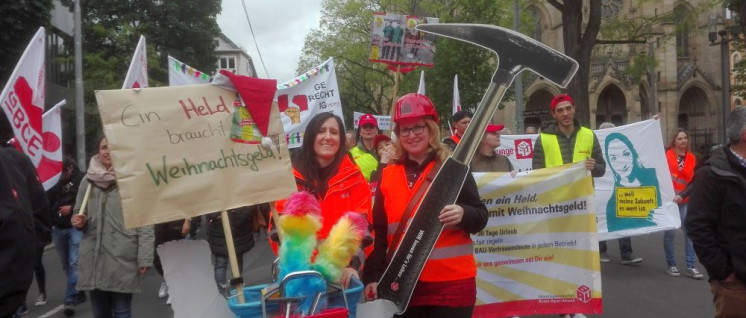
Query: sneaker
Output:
(605,258)
(68,310)
(41,300)
(168,301)
(80,298)
(629,260)
(693,273)
(163,291)
(673,271)
(22,310)
(578,316)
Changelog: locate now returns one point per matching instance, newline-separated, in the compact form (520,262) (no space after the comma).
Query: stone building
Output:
(685,86)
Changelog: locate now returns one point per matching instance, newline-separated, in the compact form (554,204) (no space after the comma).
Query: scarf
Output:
(98,174)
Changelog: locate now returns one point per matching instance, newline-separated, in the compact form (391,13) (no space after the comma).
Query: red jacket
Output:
(347,191)
(681,178)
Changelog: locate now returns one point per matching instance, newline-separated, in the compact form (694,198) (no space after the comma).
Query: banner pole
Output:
(237,281)
(84,204)
(396,87)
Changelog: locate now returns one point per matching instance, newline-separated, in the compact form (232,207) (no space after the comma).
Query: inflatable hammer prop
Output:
(516,52)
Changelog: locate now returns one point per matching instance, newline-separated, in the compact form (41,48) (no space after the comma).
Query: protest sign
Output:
(635,195)
(384,122)
(394,40)
(305,96)
(174,159)
(538,253)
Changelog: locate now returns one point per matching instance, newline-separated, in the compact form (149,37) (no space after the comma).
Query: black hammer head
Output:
(515,51)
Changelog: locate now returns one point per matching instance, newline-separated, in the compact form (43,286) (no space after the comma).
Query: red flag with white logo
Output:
(50,166)
(137,75)
(22,99)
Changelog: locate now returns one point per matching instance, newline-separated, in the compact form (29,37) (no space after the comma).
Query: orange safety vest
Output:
(455,138)
(680,178)
(452,257)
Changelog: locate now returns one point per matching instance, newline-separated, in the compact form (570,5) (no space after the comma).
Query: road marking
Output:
(51,312)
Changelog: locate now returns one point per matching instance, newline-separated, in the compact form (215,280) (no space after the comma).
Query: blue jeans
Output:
(220,267)
(67,242)
(106,304)
(625,247)
(668,238)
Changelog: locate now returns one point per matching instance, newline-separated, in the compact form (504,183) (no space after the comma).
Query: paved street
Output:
(643,290)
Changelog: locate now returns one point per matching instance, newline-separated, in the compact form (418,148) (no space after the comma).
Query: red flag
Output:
(22,99)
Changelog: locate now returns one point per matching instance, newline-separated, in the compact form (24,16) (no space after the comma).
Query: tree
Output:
(581,34)
(111,28)
(344,34)
(20,21)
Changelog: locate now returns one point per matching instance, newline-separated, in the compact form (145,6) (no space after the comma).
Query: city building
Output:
(686,86)
(233,58)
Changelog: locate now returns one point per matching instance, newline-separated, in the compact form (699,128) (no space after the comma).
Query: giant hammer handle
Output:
(517,52)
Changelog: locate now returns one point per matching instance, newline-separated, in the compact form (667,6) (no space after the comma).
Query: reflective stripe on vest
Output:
(581,151)
(452,257)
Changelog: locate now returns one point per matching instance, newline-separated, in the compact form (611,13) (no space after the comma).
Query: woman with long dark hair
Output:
(323,168)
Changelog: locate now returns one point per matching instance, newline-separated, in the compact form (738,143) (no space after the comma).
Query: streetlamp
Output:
(724,69)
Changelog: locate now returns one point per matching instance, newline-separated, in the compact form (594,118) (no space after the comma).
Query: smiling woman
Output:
(633,183)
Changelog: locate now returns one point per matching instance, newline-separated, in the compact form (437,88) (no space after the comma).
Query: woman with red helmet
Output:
(447,285)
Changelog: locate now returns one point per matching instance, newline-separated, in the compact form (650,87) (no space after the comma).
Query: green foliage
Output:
(19,21)
(185,29)
(344,34)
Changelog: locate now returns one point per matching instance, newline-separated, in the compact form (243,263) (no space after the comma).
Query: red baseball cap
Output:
(560,98)
(380,138)
(367,119)
(494,128)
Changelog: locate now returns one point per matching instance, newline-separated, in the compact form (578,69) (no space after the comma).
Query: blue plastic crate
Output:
(252,308)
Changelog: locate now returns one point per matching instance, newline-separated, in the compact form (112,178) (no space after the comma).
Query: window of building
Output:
(228,62)
(536,23)
(682,34)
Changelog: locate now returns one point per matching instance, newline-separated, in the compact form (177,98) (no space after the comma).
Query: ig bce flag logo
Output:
(524,149)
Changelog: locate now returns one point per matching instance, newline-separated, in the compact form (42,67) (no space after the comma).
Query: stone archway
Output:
(537,109)
(611,106)
(694,116)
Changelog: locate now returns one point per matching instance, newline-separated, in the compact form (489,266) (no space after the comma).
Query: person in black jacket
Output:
(716,220)
(24,217)
(242,227)
(66,238)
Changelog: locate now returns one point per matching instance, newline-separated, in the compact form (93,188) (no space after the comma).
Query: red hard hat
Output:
(414,105)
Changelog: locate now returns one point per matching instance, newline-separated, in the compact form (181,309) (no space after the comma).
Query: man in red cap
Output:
(486,160)
(364,153)
(565,141)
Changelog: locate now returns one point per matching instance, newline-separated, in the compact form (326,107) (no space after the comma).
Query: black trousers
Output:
(436,312)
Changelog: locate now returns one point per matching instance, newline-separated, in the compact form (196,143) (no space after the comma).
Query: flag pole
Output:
(396,87)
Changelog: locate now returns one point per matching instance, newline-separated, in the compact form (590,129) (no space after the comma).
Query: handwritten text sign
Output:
(174,159)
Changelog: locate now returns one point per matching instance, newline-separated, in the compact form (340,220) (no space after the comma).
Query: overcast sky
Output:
(280,28)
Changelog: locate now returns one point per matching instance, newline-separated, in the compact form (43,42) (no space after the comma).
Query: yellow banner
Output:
(539,251)
(174,158)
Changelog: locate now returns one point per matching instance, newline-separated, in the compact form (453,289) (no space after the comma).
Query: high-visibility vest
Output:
(452,257)
(581,151)
(680,178)
(365,161)
(456,139)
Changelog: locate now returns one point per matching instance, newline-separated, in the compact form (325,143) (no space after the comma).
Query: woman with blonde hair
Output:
(447,285)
